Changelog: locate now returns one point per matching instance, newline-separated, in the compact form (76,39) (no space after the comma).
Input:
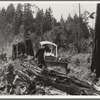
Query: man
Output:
(40,56)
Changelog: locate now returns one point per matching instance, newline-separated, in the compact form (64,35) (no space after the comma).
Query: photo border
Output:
(33,97)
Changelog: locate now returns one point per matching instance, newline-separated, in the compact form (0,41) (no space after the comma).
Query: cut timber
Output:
(68,84)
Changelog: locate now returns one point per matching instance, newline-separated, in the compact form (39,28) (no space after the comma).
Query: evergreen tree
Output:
(10,13)
(17,21)
(27,19)
(39,23)
(48,20)
(3,22)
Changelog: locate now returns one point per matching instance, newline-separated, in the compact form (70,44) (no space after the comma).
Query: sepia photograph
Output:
(49,48)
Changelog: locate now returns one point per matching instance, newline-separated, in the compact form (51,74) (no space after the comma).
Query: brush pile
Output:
(25,78)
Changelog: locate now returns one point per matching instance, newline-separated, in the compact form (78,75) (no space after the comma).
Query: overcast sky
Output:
(61,8)
(65,8)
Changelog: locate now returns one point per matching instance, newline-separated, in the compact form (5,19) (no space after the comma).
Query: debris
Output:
(28,79)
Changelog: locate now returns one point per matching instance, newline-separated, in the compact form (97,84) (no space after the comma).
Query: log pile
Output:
(33,75)
(70,85)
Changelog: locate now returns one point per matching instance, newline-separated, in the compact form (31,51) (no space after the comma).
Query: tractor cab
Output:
(51,52)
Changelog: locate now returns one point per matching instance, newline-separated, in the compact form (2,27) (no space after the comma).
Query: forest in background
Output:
(73,35)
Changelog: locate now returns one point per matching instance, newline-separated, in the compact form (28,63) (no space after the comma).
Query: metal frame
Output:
(49,43)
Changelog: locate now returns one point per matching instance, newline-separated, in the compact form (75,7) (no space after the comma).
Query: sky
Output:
(65,8)
(61,8)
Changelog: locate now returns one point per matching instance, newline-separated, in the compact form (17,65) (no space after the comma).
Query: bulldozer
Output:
(51,58)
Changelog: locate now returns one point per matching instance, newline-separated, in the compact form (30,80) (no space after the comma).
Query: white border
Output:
(50,1)
(45,96)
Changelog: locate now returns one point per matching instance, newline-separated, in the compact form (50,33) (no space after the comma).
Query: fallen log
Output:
(68,84)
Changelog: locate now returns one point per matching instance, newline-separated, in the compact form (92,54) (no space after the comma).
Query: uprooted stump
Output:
(68,84)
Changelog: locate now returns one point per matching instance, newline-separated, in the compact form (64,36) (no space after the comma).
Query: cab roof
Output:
(47,42)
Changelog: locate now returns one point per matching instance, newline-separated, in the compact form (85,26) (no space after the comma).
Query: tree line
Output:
(30,21)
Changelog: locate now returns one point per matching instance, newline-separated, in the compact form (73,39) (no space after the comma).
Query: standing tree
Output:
(10,13)
(3,22)
(48,20)
(95,66)
(27,20)
(39,23)
(77,32)
(17,21)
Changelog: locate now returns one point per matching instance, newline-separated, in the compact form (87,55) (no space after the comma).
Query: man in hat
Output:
(40,56)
